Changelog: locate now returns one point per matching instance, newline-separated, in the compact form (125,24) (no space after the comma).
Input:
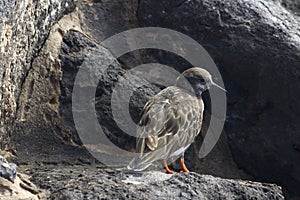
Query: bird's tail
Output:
(138,164)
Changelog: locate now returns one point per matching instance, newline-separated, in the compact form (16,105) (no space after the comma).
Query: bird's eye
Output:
(201,80)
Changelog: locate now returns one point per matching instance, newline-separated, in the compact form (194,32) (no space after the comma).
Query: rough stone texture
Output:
(256,46)
(38,126)
(120,16)
(293,5)
(25,26)
(85,182)
(253,43)
(77,50)
(102,19)
(22,188)
(7,170)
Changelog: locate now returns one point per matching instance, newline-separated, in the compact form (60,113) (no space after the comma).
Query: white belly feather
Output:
(179,151)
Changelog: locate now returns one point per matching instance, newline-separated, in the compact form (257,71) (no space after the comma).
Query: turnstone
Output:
(171,120)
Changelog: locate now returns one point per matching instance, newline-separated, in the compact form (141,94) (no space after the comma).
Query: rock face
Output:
(256,45)
(93,183)
(24,27)
(38,134)
(77,50)
(292,5)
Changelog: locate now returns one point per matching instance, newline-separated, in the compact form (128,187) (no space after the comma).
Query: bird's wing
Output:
(163,119)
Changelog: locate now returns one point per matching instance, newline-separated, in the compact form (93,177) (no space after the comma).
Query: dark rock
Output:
(293,5)
(40,135)
(102,19)
(256,45)
(77,50)
(92,183)
(7,170)
(117,17)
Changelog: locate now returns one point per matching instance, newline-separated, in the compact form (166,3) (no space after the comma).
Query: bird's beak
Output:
(214,84)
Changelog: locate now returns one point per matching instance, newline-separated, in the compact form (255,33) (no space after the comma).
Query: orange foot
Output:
(168,171)
(184,168)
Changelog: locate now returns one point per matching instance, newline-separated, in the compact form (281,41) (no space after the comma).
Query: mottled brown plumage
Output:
(171,120)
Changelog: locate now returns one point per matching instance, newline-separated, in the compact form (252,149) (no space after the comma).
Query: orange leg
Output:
(184,169)
(168,171)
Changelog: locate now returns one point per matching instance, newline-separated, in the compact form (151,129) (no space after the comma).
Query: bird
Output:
(170,120)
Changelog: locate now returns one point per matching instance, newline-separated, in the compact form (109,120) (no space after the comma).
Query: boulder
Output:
(256,47)
(89,182)
(292,5)
(24,28)
(22,188)
(15,185)
(7,170)
(78,52)
(254,43)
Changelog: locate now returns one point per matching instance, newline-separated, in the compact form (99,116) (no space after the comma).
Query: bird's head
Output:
(196,80)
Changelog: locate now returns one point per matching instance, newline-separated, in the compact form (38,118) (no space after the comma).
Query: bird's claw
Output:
(182,171)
